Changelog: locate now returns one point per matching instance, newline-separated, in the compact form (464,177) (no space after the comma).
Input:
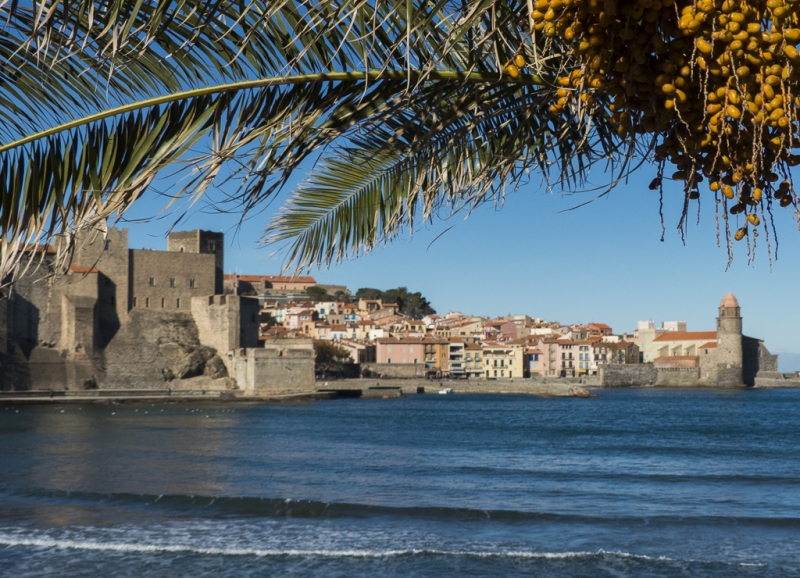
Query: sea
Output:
(634,482)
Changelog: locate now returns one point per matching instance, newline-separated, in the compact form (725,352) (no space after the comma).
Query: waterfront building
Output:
(504,360)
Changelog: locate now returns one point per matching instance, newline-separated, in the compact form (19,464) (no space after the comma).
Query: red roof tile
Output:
(687,336)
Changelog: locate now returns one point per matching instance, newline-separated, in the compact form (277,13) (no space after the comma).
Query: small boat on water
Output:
(446,391)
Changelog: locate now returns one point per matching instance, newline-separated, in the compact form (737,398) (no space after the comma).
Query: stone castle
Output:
(121,318)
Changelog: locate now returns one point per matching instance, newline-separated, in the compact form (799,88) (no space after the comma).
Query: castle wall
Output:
(627,375)
(678,377)
(109,254)
(168,281)
(136,357)
(756,359)
(226,322)
(281,366)
(28,304)
(205,242)
(709,367)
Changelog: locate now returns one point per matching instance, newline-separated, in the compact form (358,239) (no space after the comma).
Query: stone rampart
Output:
(628,375)
(776,379)
(281,366)
(678,377)
(169,280)
(554,388)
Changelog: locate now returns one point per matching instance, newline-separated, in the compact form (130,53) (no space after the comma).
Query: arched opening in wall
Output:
(181,249)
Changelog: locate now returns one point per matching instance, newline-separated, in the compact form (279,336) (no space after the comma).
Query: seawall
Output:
(560,388)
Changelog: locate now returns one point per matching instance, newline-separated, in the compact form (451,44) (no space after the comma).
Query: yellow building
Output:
(504,360)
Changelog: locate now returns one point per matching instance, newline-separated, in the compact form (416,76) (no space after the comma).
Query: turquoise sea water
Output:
(633,483)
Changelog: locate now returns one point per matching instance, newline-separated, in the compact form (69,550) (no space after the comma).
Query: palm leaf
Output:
(99,97)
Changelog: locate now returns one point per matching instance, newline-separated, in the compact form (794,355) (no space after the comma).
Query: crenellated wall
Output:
(281,366)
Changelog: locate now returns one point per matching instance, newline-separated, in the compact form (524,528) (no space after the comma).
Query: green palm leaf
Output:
(98,98)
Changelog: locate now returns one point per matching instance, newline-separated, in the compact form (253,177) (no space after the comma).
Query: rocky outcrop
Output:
(182,362)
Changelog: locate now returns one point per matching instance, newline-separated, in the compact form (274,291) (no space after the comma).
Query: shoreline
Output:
(346,388)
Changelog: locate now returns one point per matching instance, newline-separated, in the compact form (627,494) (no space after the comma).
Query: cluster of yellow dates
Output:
(716,81)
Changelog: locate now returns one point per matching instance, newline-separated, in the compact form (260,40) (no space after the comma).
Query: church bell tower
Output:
(729,343)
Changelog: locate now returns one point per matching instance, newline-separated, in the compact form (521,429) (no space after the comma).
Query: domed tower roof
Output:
(729,300)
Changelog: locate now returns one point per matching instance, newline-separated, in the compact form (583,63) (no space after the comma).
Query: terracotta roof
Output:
(270,278)
(599,326)
(47,249)
(83,269)
(709,345)
(617,345)
(687,336)
(493,345)
(414,340)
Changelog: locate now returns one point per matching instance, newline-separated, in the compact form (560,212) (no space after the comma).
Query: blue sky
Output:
(603,262)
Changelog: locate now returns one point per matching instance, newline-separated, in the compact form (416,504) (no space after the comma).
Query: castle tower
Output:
(198,241)
(729,343)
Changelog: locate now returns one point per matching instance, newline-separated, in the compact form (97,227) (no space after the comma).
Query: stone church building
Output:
(721,358)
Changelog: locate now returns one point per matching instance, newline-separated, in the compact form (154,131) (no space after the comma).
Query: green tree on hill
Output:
(412,304)
(318,294)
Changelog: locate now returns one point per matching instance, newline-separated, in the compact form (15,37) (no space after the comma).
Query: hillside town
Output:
(380,338)
(124,318)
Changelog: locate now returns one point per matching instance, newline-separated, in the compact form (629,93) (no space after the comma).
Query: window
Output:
(147,302)
(212,247)
(163,303)
(152,281)
(191,283)
(178,303)
(172,281)
(181,249)
(388,361)
(135,301)
(107,245)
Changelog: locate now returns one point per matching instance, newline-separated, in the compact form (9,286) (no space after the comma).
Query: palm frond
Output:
(98,97)
(450,150)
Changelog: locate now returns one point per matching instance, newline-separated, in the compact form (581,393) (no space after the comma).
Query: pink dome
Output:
(729,300)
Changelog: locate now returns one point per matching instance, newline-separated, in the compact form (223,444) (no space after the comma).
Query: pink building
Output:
(500,330)
(389,350)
